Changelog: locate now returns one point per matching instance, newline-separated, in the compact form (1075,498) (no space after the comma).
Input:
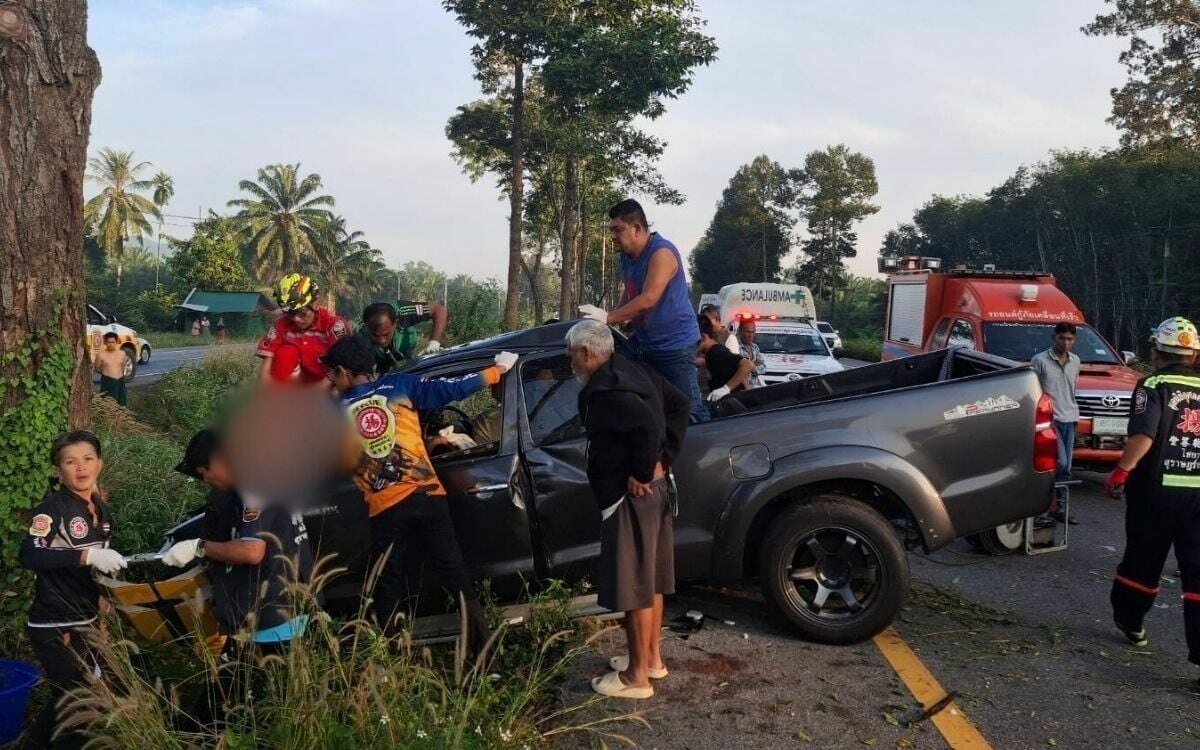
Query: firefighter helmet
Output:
(296,292)
(1176,335)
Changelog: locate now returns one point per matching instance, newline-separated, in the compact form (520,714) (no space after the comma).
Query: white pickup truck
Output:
(784,317)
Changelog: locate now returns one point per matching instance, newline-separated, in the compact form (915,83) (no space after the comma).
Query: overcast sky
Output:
(947,97)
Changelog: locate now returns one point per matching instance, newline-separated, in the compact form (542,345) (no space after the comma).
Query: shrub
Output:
(867,350)
(190,398)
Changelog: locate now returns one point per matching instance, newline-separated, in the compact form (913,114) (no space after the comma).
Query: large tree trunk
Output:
(534,276)
(47,77)
(516,199)
(570,239)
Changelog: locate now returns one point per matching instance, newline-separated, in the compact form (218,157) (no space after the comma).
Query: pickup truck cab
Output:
(1011,314)
(792,346)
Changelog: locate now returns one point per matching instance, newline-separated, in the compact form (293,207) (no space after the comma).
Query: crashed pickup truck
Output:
(815,488)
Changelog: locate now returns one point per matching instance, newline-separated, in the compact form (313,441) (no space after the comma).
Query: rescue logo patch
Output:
(250,515)
(339,330)
(40,525)
(372,422)
(78,528)
(1189,421)
(375,424)
(1139,400)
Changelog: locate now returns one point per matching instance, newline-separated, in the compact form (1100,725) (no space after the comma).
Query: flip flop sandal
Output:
(610,685)
(621,663)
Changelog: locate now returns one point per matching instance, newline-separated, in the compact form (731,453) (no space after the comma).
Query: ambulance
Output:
(1011,314)
(784,316)
(134,347)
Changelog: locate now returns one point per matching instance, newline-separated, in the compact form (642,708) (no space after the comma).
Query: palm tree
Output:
(343,259)
(118,212)
(282,219)
(164,190)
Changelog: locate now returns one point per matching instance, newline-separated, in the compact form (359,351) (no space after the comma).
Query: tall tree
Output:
(210,260)
(163,186)
(280,223)
(1158,104)
(47,77)
(751,231)
(838,187)
(118,213)
(339,254)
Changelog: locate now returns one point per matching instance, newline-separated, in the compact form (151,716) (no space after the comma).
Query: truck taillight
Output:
(1045,439)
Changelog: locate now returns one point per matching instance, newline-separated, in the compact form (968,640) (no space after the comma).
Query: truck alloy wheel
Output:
(835,569)
(130,363)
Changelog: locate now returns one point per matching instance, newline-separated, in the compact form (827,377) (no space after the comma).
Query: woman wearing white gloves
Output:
(67,538)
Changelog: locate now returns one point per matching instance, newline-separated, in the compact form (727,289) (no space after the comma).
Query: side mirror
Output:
(1129,358)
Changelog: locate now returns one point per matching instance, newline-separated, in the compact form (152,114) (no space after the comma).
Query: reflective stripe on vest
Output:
(1154,380)
(1181,480)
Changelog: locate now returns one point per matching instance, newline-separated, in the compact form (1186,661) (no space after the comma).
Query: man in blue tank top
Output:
(656,305)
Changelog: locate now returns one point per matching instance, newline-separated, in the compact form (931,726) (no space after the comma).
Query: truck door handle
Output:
(487,490)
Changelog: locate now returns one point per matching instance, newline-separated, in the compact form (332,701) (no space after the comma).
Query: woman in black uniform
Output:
(68,536)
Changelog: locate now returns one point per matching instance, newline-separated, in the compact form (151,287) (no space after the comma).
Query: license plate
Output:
(1110,426)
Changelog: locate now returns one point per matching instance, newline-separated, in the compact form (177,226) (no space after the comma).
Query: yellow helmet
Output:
(1176,335)
(295,292)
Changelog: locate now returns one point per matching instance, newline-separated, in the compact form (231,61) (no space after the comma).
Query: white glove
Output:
(718,393)
(506,360)
(433,347)
(591,312)
(181,553)
(107,561)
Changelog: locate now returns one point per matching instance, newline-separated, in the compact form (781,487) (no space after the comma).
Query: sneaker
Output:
(1136,637)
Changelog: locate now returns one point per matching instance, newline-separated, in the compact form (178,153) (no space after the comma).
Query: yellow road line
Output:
(956,728)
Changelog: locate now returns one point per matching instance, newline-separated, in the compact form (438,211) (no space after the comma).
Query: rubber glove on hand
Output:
(718,393)
(1115,484)
(433,347)
(107,561)
(181,553)
(506,360)
(591,312)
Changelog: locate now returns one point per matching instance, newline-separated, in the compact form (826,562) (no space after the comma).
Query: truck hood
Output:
(1107,378)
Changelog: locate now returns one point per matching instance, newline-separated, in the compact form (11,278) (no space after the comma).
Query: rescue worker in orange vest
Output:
(1160,473)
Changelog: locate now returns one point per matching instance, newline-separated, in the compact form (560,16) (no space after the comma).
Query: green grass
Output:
(173,340)
(185,400)
(867,350)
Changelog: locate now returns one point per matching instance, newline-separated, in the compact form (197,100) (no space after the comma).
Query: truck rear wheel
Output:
(131,363)
(835,569)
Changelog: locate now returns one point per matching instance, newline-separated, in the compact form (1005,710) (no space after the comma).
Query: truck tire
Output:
(1004,540)
(835,568)
(131,365)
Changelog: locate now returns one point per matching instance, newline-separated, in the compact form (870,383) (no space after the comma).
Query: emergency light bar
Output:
(751,316)
(889,264)
(1029,293)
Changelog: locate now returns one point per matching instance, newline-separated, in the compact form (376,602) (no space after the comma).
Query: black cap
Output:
(199,453)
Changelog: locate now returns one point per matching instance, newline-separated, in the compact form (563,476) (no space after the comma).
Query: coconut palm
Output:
(163,185)
(118,212)
(281,220)
(342,257)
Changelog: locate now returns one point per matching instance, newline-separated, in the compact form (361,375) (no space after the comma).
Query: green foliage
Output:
(838,187)
(865,349)
(751,231)
(185,400)
(279,223)
(158,308)
(35,381)
(345,265)
(211,259)
(119,211)
(1158,104)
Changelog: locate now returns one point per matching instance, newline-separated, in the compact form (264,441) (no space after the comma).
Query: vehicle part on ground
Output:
(835,568)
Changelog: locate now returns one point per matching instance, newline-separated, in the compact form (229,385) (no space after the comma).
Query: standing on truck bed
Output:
(1010,314)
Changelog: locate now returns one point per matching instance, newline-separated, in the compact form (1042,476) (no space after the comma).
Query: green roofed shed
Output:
(245,313)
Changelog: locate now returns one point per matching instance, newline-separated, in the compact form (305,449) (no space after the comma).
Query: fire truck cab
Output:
(1011,314)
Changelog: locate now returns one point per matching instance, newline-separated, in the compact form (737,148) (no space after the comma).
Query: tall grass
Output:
(185,400)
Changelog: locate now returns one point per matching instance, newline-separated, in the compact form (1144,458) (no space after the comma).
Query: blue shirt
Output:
(671,324)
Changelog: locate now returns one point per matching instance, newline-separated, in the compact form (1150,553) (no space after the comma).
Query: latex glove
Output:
(506,360)
(718,393)
(1115,484)
(107,561)
(457,439)
(591,312)
(433,347)
(181,553)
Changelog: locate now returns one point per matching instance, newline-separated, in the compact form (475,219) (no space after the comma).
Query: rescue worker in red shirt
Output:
(292,349)
(1160,473)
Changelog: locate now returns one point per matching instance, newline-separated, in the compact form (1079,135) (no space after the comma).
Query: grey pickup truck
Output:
(816,488)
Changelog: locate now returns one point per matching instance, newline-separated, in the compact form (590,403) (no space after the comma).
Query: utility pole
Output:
(764,249)
(1162,304)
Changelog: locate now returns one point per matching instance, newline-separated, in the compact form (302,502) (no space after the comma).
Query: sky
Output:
(947,97)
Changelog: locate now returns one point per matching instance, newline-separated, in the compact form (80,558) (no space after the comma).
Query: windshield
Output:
(791,343)
(1021,341)
(824,328)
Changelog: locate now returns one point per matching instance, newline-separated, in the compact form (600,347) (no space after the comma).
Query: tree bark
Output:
(47,77)
(516,199)
(570,238)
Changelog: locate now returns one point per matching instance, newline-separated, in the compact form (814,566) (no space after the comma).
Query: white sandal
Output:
(610,685)
(621,663)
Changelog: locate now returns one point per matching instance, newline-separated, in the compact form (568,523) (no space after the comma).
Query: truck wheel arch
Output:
(880,479)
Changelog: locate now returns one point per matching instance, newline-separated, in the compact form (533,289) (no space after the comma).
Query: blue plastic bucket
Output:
(16,682)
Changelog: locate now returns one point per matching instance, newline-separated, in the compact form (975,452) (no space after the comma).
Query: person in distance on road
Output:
(655,304)
(111,363)
(293,347)
(1159,471)
(389,331)
(726,370)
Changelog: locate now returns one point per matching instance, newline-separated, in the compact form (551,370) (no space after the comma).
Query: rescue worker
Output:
(68,537)
(293,347)
(406,501)
(1160,472)
(389,331)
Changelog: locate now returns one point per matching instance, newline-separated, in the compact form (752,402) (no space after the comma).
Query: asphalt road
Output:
(163,361)
(1026,644)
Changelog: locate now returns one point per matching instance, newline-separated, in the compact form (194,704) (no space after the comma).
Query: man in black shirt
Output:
(1160,472)
(389,331)
(727,372)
